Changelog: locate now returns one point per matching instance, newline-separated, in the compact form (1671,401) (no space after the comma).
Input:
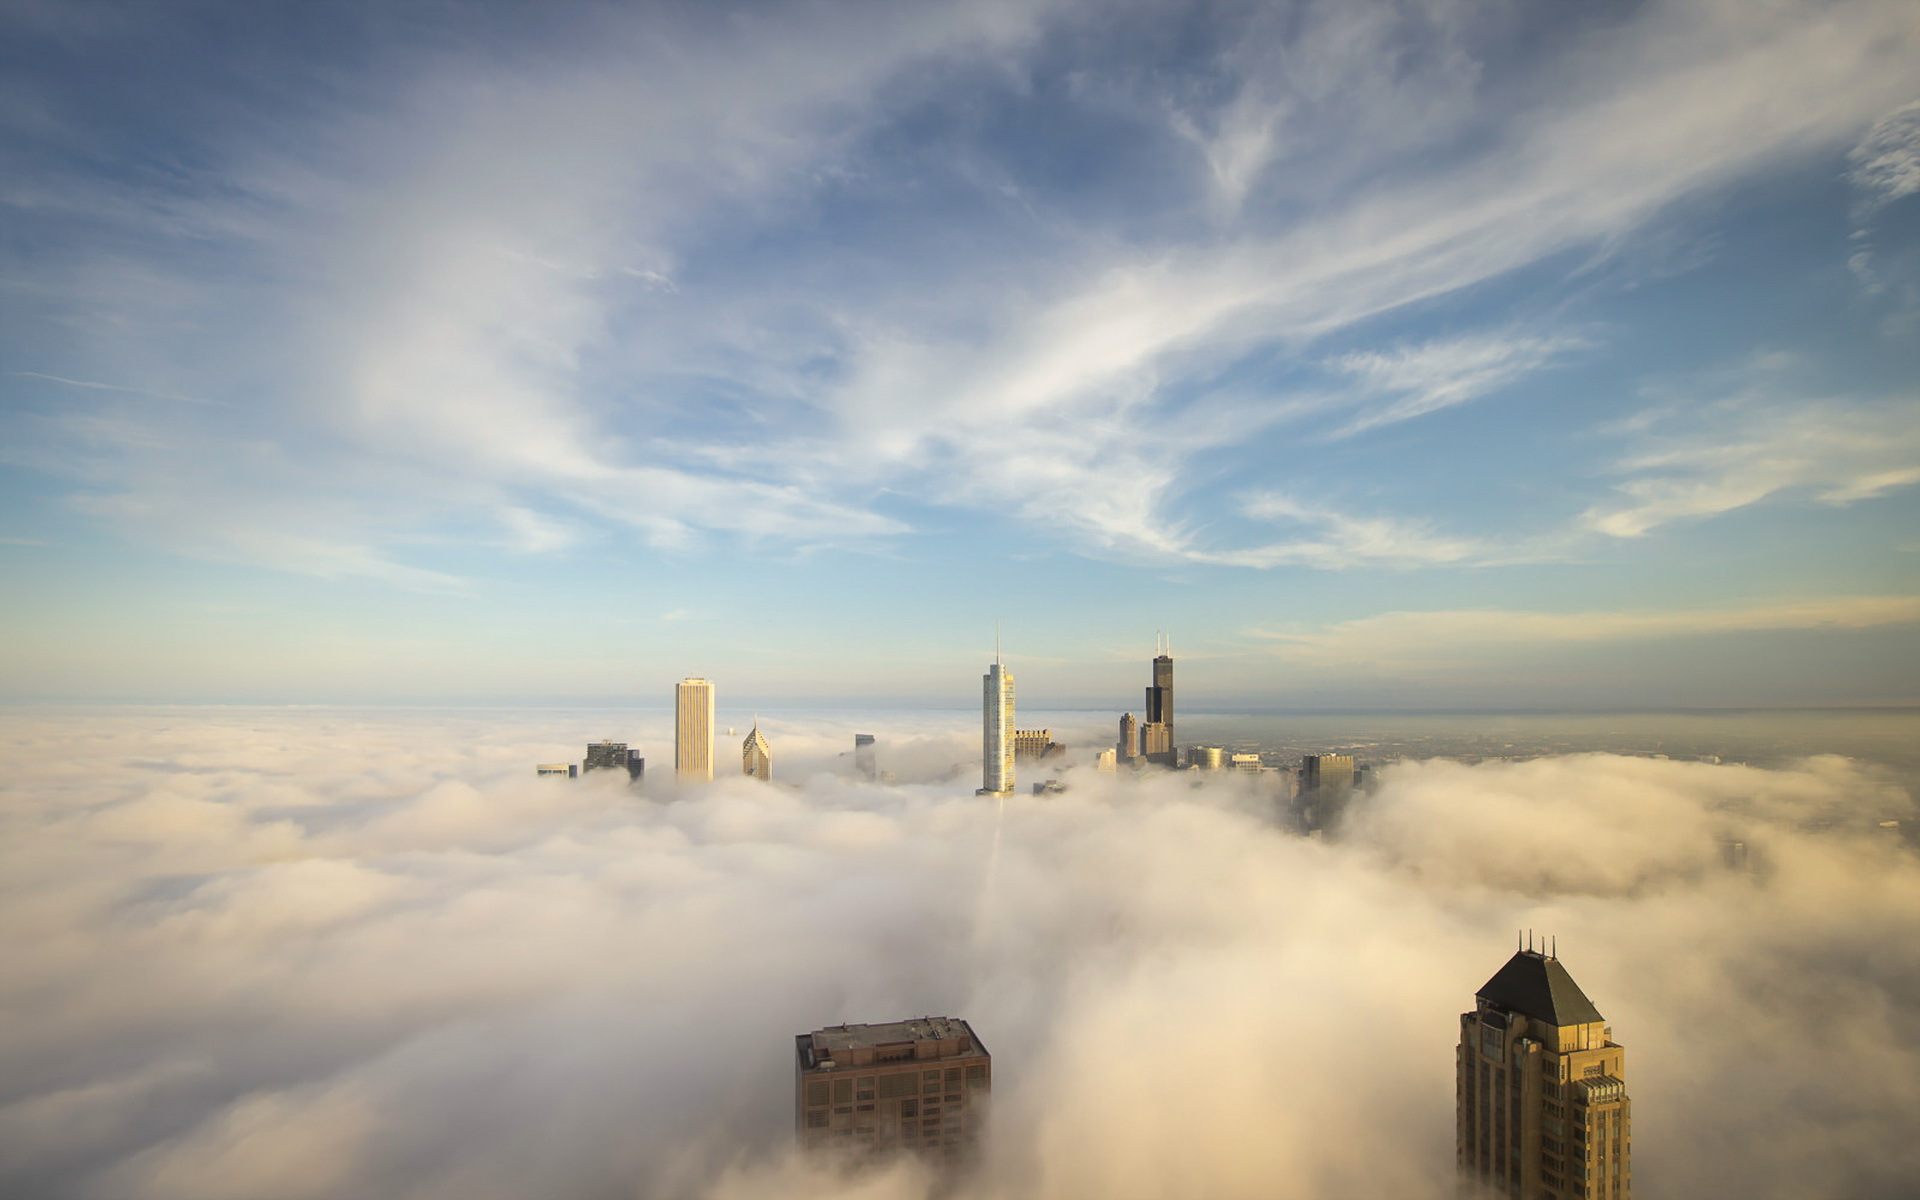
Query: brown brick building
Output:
(1540,1100)
(865,1091)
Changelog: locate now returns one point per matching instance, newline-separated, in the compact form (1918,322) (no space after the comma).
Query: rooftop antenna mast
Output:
(996,643)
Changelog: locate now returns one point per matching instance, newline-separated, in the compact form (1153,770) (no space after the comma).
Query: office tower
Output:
(606,756)
(636,766)
(693,729)
(1156,736)
(1106,761)
(865,763)
(1248,764)
(866,1091)
(1129,747)
(1034,744)
(561,770)
(996,730)
(1326,784)
(1206,758)
(1540,1096)
(756,760)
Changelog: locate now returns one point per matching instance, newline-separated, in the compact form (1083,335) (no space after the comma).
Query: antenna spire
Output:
(996,643)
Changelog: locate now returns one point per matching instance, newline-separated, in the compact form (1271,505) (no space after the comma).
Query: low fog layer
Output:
(272,954)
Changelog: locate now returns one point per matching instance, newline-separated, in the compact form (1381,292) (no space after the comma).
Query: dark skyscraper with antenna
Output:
(1156,736)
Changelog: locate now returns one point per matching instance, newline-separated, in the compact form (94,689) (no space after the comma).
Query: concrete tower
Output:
(996,728)
(756,759)
(1540,1094)
(693,729)
(1129,747)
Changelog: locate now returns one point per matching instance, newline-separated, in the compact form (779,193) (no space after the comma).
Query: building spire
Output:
(996,643)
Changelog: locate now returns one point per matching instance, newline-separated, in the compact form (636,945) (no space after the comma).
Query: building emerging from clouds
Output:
(756,758)
(1128,748)
(1156,736)
(693,729)
(1540,1099)
(866,764)
(996,731)
(866,1091)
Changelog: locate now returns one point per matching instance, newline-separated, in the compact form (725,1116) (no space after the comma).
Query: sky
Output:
(301,954)
(1417,354)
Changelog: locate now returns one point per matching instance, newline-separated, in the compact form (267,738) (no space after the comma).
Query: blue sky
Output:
(1417,354)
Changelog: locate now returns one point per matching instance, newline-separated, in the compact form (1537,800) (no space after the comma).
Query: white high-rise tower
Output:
(756,758)
(693,729)
(996,728)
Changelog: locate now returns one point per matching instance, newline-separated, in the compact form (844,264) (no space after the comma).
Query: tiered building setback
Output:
(1541,1107)
(866,1091)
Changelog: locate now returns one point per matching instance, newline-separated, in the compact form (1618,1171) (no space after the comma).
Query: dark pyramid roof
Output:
(1539,987)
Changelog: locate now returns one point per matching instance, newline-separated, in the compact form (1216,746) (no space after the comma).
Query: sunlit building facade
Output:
(868,1091)
(996,731)
(693,730)
(1540,1100)
(756,758)
(1156,736)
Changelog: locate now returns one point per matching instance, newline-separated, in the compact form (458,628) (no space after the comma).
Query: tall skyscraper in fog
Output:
(866,1091)
(1129,747)
(756,758)
(693,729)
(996,730)
(1156,736)
(866,764)
(1540,1097)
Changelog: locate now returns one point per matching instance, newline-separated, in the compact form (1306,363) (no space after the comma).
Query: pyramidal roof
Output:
(1535,985)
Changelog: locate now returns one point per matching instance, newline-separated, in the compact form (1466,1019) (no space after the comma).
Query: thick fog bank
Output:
(279,955)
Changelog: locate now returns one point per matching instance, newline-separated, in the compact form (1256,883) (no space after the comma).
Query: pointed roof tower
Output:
(1536,985)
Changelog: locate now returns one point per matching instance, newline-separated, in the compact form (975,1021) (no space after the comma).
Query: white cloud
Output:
(1741,453)
(1416,380)
(1886,163)
(1343,540)
(326,953)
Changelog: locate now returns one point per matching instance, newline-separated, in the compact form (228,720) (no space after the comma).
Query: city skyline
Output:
(1532,358)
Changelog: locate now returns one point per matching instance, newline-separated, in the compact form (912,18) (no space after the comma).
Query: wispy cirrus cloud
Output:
(1411,381)
(1739,453)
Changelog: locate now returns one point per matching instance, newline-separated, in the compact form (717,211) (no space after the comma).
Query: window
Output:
(817,1120)
(817,1092)
(930,1075)
(954,1098)
(977,1076)
(866,1095)
(863,1108)
(953,1076)
(843,1091)
(909,1108)
(844,1108)
(894,1086)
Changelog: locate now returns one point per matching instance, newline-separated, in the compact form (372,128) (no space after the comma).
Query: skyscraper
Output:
(1540,1095)
(693,729)
(756,759)
(1129,747)
(606,756)
(866,764)
(996,730)
(1326,785)
(868,1090)
(1156,736)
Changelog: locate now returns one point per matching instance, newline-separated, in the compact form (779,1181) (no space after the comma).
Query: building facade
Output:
(1156,736)
(1034,744)
(866,763)
(1326,786)
(868,1091)
(1128,748)
(996,731)
(756,758)
(1206,758)
(693,729)
(605,756)
(562,770)
(1540,1098)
